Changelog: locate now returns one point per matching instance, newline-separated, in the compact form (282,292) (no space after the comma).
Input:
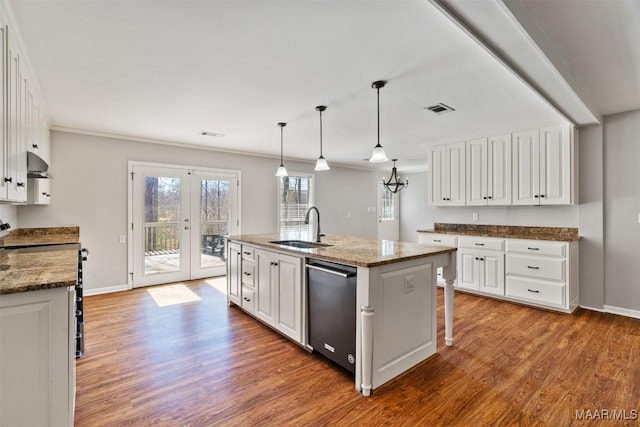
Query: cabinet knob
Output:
(35,146)
(536,196)
(20,184)
(490,197)
(542,195)
(484,198)
(8,179)
(247,273)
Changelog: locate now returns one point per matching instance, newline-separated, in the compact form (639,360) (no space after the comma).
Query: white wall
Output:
(621,210)
(90,191)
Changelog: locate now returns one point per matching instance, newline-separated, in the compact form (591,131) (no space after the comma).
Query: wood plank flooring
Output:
(204,364)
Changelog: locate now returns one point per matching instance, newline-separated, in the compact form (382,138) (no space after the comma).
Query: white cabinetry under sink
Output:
(267,285)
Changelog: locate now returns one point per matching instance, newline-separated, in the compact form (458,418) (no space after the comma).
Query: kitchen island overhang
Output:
(396,299)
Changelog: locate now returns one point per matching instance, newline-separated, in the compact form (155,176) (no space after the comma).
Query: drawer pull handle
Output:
(247,253)
(247,273)
(533,268)
(246,299)
(479,244)
(533,291)
(533,249)
(437,240)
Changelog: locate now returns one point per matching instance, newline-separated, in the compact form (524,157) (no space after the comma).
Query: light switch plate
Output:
(409,284)
(123,238)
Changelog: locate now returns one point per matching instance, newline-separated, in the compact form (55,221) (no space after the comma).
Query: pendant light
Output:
(321,164)
(378,155)
(282,171)
(395,184)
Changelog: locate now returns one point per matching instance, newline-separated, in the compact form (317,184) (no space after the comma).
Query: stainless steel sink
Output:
(303,244)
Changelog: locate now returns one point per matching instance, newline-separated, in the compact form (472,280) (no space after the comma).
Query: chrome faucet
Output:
(306,221)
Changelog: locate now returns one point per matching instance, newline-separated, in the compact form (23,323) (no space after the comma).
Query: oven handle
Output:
(331,271)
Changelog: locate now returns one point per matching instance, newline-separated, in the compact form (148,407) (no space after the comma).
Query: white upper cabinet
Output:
(3,118)
(447,172)
(489,171)
(543,166)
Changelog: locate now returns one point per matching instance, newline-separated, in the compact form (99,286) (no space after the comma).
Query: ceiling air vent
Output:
(440,108)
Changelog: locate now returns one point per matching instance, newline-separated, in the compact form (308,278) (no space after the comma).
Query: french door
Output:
(180,218)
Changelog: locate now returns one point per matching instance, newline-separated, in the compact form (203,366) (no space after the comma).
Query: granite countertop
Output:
(38,267)
(559,234)
(356,251)
(41,236)
(32,259)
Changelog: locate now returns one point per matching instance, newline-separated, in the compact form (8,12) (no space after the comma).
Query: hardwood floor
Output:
(204,364)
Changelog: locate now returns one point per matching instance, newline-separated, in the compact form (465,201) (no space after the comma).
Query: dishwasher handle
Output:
(340,273)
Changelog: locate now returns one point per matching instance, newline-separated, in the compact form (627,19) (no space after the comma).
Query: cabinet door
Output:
(492,273)
(477,173)
(233,272)
(526,168)
(468,274)
(265,285)
(16,150)
(499,170)
(456,161)
(555,165)
(438,179)
(289,297)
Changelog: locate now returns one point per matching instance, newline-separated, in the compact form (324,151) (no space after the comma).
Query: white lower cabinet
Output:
(481,270)
(269,285)
(37,358)
(542,273)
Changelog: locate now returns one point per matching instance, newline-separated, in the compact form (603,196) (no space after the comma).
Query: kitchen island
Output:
(395,295)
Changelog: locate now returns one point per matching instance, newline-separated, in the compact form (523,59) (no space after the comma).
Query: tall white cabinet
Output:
(447,166)
(489,171)
(543,166)
(532,167)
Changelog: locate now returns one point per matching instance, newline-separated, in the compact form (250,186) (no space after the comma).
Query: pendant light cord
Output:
(378,92)
(320,132)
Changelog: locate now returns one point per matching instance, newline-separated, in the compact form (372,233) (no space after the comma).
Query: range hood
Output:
(36,166)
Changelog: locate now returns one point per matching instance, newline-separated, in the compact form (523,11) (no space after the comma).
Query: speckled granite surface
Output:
(560,234)
(349,250)
(41,236)
(36,268)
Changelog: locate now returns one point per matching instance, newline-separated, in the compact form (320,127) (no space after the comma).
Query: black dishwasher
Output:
(332,311)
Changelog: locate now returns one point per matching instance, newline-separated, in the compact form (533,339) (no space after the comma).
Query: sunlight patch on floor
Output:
(172,295)
(218,283)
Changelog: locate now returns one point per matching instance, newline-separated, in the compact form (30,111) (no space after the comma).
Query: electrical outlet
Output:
(123,238)
(476,216)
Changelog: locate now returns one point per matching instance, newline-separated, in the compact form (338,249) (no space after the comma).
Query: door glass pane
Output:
(387,207)
(161,224)
(215,206)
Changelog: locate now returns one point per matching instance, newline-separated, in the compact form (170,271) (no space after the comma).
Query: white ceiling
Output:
(167,69)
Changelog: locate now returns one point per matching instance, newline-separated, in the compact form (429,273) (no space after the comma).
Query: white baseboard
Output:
(622,311)
(586,307)
(98,291)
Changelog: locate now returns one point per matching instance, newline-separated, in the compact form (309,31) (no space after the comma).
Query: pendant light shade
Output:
(282,171)
(395,184)
(378,155)
(321,164)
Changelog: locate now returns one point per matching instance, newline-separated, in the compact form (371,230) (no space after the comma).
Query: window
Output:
(388,205)
(295,196)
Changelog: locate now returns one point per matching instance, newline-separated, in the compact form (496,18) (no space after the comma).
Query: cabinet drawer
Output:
(248,253)
(248,298)
(536,266)
(248,273)
(439,239)
(481,243)
(536,291)
(536,247)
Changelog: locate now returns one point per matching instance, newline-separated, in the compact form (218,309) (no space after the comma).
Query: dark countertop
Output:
(356,251)
(32,259)
(559,234)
